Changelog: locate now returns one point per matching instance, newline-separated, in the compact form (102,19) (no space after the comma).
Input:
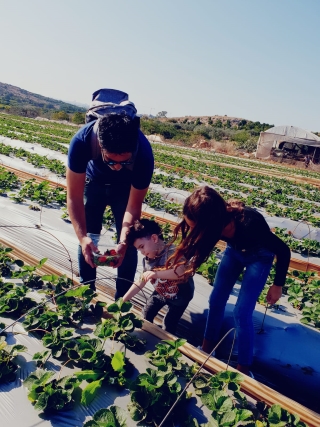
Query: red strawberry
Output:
(102,259)
(113,252)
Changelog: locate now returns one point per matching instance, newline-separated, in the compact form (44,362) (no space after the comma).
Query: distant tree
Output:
(228,124)
(60,115)
(242,124)
(218,124)
(78,118)
(162,114)
(198,122)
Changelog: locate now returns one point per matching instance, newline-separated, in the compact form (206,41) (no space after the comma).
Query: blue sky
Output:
(253,59)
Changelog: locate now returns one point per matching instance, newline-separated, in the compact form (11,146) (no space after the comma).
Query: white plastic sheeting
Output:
(17,411)
(274,350)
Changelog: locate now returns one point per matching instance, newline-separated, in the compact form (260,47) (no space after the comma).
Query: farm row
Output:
(301,288)
(57,318)
(277,201)
(44,194)
(30,130)
(205,155)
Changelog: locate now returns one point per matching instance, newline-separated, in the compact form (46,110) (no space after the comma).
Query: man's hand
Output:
(274,293)
(88,247)
(121,250)
(149,275)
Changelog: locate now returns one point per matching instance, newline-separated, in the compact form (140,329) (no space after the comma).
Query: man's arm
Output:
(75,204)
(132,213)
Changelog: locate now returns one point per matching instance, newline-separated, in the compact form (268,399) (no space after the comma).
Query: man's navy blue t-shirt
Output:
(80,161)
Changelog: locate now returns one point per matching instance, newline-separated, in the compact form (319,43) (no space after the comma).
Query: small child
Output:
(172,288)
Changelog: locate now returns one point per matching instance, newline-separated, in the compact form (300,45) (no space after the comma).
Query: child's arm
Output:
(134,289)
(176,273)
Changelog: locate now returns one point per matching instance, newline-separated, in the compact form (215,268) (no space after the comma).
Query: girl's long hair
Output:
(210,214)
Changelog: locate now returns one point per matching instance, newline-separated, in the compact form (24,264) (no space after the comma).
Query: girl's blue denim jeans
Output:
(257,265)
(96,197)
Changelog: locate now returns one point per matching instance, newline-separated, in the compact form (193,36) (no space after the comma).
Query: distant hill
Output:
(19,101)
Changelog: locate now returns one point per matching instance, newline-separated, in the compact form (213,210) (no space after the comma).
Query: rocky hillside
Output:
(19,101)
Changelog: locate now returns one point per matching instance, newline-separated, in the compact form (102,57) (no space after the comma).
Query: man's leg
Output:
(227,274)
(127,270)
(95,203)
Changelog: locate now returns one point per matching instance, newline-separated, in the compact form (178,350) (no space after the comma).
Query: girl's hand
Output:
(149,275)
(274,293)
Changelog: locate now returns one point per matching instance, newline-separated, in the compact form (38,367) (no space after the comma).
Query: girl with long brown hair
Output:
(251,246)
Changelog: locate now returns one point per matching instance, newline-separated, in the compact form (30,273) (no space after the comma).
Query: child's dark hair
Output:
(143,228)
(210,213)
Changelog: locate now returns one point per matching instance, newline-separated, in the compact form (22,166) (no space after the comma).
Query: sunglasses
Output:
(113,162)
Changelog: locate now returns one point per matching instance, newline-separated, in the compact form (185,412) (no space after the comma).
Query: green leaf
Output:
(113,308)
(125,306)
(18,348)
(89,392)
(78,292)
(228,418)
(118,361)
(3,345)
(91,423)
(42,402)
(244,414)
(226,406)
(120,415)
(113,417)
(201,382)
(87,353)
(42,261)
(136,412)
(87,375)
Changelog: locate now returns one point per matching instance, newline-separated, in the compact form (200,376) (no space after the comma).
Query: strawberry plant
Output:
(28,276)
(120,325)
(153,394)
(7,264)
(108,218)
(73,305)
(15,302)
(8,181)
(56,340)
(113,370)
(296,294)
(51,395)
(221,394)
(65,215)
(275,416)
(311,316)
(54,285)
(166,355)
(225,411)
(41,357)
(112,417)
(43,320)
(209,268)
(8,366)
